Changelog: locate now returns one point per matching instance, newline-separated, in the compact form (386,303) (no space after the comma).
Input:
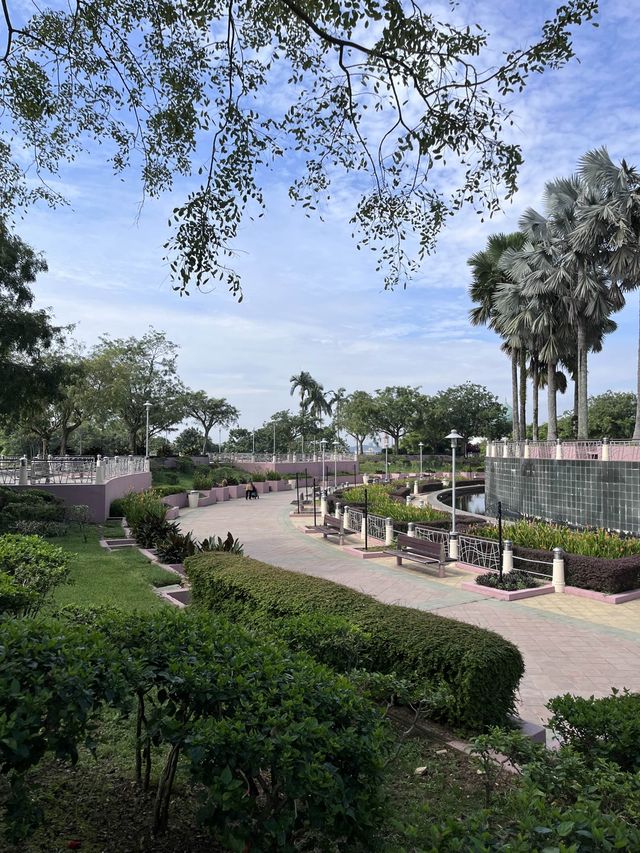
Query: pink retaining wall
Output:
(97,498)
(314,469)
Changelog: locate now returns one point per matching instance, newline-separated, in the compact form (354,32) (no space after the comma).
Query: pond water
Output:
(468,502)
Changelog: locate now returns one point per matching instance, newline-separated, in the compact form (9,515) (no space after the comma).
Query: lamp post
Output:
(324,446)
(335,464)
(253,446)
(219,441)
(147,406)
(453,539)
(420,445)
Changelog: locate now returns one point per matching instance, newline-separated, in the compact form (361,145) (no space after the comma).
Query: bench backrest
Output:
(421,546)
(332,521)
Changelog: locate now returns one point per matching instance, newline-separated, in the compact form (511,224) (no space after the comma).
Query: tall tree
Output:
(29,377)
(608,226)
(174,85)
(470,409)
(394,411)
(488,273)
(126,373)
(209,412)
(357,417)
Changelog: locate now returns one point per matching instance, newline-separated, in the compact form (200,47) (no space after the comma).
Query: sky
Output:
(312,301)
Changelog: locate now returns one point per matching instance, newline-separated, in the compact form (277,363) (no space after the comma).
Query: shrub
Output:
(481,668)
(273,475)
(217,543)
(53,677)
(50,529)
(607,728)
(184,465)
(381,503)
(203,479)
(510,581)
(281,748)
(15,600)
(165,491)
(34,564)
(176,547)
(116,510)
(146,516)
(601,575)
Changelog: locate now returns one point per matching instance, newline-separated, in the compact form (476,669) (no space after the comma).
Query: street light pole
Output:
(453,541)
(324,445)
(253,447)
(147,406)
(420,445)
(335,464)
(219,442)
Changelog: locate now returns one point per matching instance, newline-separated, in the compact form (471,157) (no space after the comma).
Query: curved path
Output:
(569,644)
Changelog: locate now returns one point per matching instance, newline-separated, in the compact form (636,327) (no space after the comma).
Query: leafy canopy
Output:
(376,87)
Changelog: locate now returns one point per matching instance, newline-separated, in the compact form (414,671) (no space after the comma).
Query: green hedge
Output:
(481,669)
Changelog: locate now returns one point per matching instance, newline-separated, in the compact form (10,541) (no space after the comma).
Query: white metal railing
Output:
(483,553)
(376,527)
(538,568)
(354,519)
(68,470)
(9,469)
(329,457)
(586,450)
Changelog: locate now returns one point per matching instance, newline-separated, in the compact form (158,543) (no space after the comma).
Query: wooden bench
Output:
(331,526)
(419,551)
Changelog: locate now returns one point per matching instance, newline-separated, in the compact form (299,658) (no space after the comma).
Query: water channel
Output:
(467,502)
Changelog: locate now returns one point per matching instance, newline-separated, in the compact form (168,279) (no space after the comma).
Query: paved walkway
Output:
(569,644)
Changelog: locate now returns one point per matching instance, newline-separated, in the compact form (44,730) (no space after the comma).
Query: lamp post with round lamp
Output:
(420,445)
(324,446)
(335,464)
(454,437)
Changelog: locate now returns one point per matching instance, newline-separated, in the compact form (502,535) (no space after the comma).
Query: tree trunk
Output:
(575,419)
(515,427)
(535,382)
(583,426)
(523,395)
(636,431)
(132,442)
(552,432)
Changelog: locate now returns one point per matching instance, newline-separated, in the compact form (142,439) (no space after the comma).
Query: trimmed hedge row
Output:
(597,573)
(481,669)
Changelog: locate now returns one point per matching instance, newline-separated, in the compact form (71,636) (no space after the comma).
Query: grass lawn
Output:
(118,578)
(167,477)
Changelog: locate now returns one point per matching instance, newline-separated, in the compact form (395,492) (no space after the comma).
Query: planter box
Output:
(221,493)
(506,595)
(613,598)
(236,492)
(207,499)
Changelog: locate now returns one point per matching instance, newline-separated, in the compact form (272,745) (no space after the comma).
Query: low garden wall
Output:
(97,497)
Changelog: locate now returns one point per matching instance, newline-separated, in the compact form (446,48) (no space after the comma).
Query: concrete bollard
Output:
(407,500)
(557,578)
(605,449)
(412,529)
(527,449)
(338,510)
(415,487)
(507,557)
(558,449)
(23,477)
(505,447)
(453,546)
(388,531)
(323,504)
(345,516)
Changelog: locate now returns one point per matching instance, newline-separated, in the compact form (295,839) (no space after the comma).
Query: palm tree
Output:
(313,402)
(487,276)
(577,279)
(608,225)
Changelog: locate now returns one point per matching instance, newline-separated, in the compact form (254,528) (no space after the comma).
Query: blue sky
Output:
(312,301)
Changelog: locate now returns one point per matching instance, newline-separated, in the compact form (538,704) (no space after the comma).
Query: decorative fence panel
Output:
(354,519)
(376,527)
(63,469)
(9,469)
(483,553)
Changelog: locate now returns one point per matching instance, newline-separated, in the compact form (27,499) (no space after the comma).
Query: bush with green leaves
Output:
(380,502)
(203,479)
(510,581)
(34,564)
(607,728)
(146,517)
(15,599)
(53,679)
(559,801)
(283,750)
(165,491)
(48,529)
(481,669)
(229,544)
(176,547)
